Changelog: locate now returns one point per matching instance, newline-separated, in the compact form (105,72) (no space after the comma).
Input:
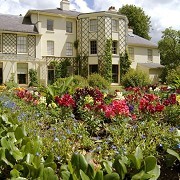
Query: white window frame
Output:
(50,25)
(115,48)
(21,44)
(150,54)
(69,49)
(50,48)
(93,25)
(131,53)
(93,50)
(69,26)
(115,25)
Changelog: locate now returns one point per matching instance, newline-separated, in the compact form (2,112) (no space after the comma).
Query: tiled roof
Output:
(16,24)
(135,40)
(59,11)
(151,65)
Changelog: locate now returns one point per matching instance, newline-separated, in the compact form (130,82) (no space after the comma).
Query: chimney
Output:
(112,8)
(64,5)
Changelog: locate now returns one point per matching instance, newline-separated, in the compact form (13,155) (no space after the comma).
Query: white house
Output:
(144,55)
(43,37)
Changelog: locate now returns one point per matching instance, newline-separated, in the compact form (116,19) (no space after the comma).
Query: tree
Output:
(169,48)
(138,20)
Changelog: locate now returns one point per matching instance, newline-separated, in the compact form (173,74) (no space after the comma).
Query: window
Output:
(22,73)
(131,53)
(114,47)
(69,49)
(93,25)
(50,25)
(0,43)
(51,74)
(93,68)
(50,47)
(114,25)
(115,73)
(69,26)
(21,44)
(150,57)
(93,47)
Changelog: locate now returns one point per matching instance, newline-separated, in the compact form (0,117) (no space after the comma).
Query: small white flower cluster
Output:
(157,89)
(119,96)
(42,100)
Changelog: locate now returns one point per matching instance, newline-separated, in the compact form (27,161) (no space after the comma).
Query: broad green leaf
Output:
(49,174)
(3,157)
(107,167)
(5,144)
(113,176)
(83,175)
(14,173)
(50,158)
(20,132)
(150,163)
(90,171)
(139,157)
(65,175)
(36,161)
(173,153)
(138,176)
(79,162)
(99,176)
(17,154)
(155,173)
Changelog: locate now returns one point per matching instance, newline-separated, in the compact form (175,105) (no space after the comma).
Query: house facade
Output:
(43,39)
(144,55)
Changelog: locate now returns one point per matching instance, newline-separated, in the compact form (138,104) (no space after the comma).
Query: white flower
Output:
(157,89)
(119,95)
(36,93)
(42,100)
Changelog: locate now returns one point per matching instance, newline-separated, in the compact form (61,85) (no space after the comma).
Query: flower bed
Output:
(102,124)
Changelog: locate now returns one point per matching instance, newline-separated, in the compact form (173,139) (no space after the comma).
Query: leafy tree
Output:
(138,20)
(169,47)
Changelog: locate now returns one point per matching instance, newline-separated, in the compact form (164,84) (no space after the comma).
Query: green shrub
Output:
(33,77)
(173,77)
(11,83)
(134,78)
(80,81)
(97,81)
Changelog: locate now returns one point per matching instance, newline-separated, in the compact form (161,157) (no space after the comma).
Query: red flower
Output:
(65,100)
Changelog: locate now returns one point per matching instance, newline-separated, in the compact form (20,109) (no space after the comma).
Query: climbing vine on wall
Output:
(107,72)
(125,64)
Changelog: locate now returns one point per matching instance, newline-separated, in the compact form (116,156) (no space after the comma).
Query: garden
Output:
(83,129)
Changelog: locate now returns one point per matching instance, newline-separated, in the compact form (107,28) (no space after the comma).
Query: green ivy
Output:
(107,71)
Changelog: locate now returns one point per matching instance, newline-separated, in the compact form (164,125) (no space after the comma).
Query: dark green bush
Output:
(97,81)
(134,78)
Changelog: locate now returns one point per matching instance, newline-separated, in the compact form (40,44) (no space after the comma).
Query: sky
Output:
(163,13)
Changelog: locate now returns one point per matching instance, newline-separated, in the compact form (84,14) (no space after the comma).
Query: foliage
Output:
(135,78)
(64,65)
(79,81)
(138,20)
(124,64)
(97,81)
(11,83)
(33,77)
(173,77)
(20,155)
(80,168)
(107,69)
(169,47)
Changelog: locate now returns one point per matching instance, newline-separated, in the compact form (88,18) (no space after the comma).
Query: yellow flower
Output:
(88,99)
(178,98)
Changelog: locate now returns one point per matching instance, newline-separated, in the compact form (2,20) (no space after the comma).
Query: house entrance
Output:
(115,73)
(51,74)
(1,73)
